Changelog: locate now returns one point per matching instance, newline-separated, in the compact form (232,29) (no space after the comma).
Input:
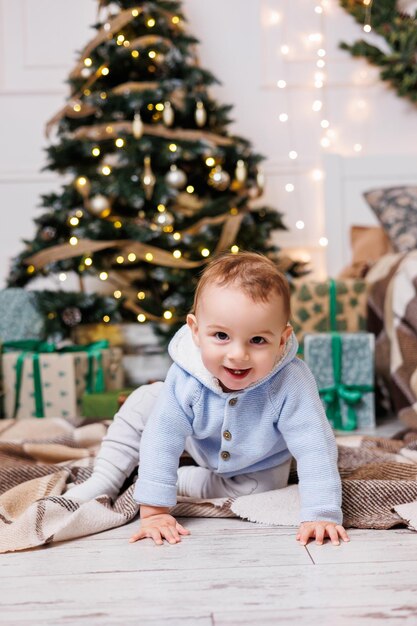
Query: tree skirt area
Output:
(40,457)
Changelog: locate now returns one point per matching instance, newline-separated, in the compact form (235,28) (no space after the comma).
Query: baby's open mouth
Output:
(237,373)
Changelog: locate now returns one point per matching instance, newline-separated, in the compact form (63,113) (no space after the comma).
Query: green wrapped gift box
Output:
(343,366)
(102,405)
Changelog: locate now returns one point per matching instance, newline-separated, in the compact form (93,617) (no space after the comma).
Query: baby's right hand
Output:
(159,527)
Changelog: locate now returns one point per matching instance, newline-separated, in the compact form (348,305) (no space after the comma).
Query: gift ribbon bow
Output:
(350,394)
(34,348)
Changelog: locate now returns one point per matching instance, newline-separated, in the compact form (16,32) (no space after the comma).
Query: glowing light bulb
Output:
(315,37)
(357,147)
(318,10)
(141,318)
(283,117)
(149,256)
(106,319)
(120,142)
(205,252)
(210,161)
(289,187)
(293,154)
(73,241)
(234,249)
(105,71)
(131,257)
(173,147)
(135,12)
(88,261)
(317,105)
(135,54)
(175,19)
(321,52)
(285,49)
(325,142)
(120,259)
(62,277)
(151,54)
(177,254)
(367,28)
(281,84)
(88,62)
(95,151)
(74,221)
(167,315)
(325,123)
(321,63)
(106,170)
(190,189)
(103,275)
(317,174)
(299,224)
(117,294)
(177,236)
(150,23)
(323,241)
(141,295)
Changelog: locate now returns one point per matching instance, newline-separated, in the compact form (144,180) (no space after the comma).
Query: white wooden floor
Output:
(227,573)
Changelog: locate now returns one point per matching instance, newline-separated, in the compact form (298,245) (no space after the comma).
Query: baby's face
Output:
(240,340)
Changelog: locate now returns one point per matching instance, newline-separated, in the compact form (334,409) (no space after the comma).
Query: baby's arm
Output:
(119,452)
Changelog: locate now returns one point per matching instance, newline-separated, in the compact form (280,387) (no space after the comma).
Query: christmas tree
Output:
(155,185)
(394,21)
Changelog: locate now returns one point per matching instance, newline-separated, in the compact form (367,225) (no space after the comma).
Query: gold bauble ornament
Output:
(218,178)
(137,126)
(176,178)
(241,171)
(168,114)
(200,114)
(148,179)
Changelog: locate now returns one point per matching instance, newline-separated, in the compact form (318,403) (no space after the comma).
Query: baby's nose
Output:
(238,352)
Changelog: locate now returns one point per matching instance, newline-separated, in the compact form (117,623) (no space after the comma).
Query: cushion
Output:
(396,209)
(368,244)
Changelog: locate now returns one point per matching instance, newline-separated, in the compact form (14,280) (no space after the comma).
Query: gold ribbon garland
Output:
(113,129)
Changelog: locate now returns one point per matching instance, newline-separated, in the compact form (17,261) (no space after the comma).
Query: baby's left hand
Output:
(320,530)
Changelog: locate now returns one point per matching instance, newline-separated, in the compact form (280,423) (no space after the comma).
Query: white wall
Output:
(241,44)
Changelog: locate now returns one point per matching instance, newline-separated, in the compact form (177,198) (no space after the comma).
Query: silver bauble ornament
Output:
(168,114)
(163,219)
(218,178)
(48,233)
(200,114)
(137,126)
(176,178)
(98,205)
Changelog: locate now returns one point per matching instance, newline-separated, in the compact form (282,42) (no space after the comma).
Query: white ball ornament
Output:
(176,178)
(98,204)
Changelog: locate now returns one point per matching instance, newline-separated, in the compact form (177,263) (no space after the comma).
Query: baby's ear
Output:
(193,326)
(286,333)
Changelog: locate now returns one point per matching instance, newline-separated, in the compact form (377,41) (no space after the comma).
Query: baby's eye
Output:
(258,340)
(221,336)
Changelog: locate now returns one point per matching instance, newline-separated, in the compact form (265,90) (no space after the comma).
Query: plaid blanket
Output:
(392,309)
(38,458)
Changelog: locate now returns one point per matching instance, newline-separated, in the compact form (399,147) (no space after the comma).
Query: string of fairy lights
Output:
(328,134)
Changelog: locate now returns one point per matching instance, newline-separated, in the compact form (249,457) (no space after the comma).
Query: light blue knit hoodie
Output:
(272,419)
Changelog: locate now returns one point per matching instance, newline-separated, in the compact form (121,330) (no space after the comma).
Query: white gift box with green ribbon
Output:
(47,382)
(343,366)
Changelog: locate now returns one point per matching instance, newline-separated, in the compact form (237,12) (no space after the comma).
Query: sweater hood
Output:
(186,355)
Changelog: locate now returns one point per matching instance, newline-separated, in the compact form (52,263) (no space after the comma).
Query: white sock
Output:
(106,479)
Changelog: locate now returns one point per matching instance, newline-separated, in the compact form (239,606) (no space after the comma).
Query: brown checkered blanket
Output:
(392,304)
(38,458)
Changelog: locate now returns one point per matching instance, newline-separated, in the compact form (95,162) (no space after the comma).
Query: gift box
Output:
(103,405)
(40,380)
(19,316)
(89,333)
(343,366)
(331,305)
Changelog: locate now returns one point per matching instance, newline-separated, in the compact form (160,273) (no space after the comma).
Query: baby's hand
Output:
(320,530)
(159,527)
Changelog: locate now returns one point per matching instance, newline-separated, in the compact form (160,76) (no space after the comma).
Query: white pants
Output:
(119,455)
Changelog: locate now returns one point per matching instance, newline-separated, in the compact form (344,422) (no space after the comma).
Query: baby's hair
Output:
(254,273)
